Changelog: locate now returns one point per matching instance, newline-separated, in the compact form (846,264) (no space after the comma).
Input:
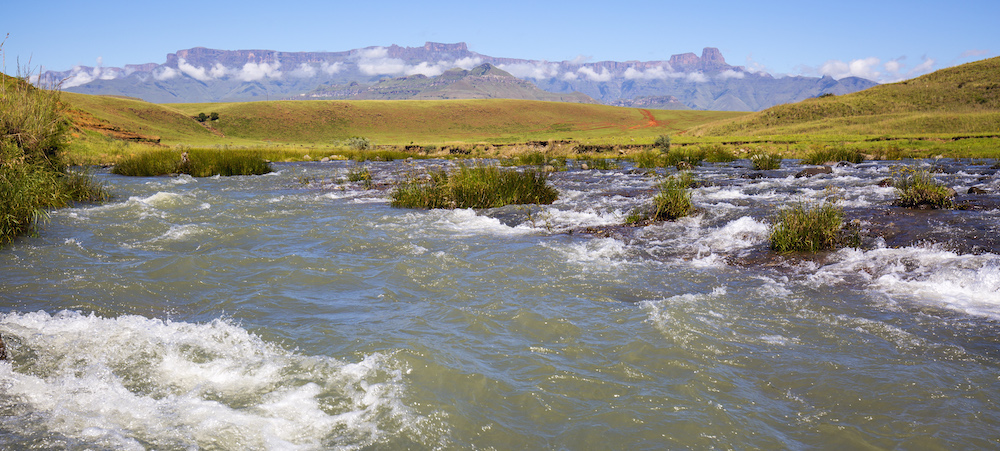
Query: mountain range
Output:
(684,81)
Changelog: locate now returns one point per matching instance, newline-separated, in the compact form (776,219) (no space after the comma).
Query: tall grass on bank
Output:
(32,175)
(810,228)
(671,203)
(478,186)
(200,163)
(824,155)
(916,188)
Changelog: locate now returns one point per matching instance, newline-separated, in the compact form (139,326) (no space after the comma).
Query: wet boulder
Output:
(885,183)
(3,350)
(809,172)
(977,190)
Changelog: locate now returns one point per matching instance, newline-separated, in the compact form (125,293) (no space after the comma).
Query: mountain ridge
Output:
(201,74)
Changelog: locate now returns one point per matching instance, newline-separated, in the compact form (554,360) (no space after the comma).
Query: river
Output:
(297,311)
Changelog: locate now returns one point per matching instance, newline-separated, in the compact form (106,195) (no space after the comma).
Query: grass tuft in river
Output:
(478,186)
(672,202)
(810,228)
(916,188)
(762,161)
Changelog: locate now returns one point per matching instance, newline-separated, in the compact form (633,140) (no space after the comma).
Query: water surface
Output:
(294,311)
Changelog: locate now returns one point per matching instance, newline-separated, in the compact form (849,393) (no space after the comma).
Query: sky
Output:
(884,41)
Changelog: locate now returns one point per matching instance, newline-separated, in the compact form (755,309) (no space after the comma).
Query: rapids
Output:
(297,311)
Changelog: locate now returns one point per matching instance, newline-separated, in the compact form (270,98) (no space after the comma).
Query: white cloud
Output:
(331,69)
(896,69)
(468,63)
(580,59)
(255,71)
(303,71)
(569,76)
(864,68)
(166,73)
(653,73)
(593,75)
(538,70)
(197,73)
(425,68)
(729,73)
(696,77)
(219,71)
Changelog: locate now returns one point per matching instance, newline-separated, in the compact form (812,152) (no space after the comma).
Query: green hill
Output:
(100,120)
(959,100)
(482,82)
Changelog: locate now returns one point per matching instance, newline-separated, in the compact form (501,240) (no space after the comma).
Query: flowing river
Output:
(296,311)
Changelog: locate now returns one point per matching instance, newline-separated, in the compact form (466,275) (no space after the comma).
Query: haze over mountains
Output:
(684,81)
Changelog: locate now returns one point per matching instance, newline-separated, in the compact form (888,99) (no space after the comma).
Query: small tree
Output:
(202,117)
(213,116)
(663,143)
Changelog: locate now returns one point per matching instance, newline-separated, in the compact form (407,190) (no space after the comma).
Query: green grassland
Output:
(494,121)
(953,112)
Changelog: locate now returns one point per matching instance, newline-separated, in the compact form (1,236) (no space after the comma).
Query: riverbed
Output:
(297,310)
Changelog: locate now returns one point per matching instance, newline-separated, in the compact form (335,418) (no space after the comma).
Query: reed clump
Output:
(805,227)
(763,161)
(671,203)
(194,162)
(828,154)
(477,186)
(32,174)
(916,188)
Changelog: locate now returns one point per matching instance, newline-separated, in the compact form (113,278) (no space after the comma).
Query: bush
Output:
(809,228)
(480,186)
(358,143)
(763,161)
(662,142)
(916,188)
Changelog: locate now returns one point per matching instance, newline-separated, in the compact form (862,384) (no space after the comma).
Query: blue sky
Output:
(880,40)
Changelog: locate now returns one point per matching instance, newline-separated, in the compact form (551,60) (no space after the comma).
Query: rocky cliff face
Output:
(201,75)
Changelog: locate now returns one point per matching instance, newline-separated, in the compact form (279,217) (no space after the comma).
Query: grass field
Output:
(954,112)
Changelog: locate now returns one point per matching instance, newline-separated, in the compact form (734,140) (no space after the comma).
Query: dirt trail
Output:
(651,120)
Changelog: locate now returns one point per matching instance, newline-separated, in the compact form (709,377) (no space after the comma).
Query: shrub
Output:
(202,117)
(358,143)
(762,161)
(662,142)
(480,186)
(916,188)
(809,228)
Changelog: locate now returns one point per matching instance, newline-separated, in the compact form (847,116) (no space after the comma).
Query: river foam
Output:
(134,383)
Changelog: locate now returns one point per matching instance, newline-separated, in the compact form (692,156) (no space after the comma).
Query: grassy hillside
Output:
(438,121)
(960,100)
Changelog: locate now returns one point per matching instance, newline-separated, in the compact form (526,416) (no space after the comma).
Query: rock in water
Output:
(3,350)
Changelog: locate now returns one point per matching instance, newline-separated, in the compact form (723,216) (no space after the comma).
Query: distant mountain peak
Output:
(202,74)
